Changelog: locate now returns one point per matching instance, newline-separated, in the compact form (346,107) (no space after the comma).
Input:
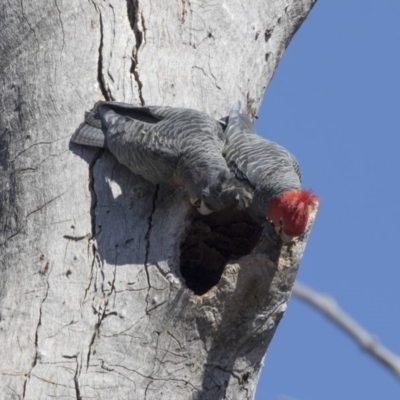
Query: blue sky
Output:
(334,102)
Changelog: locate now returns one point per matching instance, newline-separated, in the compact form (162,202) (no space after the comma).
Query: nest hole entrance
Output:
(211,242)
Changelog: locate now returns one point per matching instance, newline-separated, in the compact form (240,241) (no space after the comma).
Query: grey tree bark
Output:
(111,287)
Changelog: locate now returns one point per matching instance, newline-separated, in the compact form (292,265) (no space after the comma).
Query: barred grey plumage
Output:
(164,144)
(269,168)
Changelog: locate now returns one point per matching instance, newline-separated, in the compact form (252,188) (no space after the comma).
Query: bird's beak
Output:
(203,209)
(285,238)
(195,202)
(200,206)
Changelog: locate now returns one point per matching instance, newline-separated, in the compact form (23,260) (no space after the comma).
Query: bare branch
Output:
(328,306)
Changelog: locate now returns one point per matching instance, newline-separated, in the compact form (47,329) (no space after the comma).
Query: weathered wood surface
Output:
(92,302)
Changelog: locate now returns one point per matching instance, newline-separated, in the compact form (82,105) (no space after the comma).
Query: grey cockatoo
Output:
(179,146)
(272,174)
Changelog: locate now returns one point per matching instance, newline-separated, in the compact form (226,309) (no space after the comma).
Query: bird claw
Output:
(200,206)
(203,209)
(195,202)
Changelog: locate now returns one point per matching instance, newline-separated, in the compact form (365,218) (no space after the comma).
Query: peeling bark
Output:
(111,287)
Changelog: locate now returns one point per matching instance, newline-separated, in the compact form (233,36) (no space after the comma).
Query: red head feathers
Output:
(291,211)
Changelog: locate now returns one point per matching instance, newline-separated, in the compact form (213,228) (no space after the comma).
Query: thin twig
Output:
(331,309)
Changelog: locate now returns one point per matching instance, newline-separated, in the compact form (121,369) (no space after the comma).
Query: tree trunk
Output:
(111,287)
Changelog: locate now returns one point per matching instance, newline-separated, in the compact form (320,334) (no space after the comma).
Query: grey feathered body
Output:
(164,144)
(268,168)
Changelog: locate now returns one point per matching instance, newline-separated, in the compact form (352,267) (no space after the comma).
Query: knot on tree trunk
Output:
(210,242)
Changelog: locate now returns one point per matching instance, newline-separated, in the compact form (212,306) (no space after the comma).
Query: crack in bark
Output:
(153,379)
(242,382)
(45,204)
(50,382)
(94,252)
(92,190)
(212,78)
(147,237)
(102,312)
(21,171)
(34,362)
(90,348)
(112,283)
(40,144)
(155,307)
(96,332)
(76,381)
(167,351)
(106,368)
(11,236)
(67,357)
(105,91)
(147,388)
(75,238)
(135,17)
(176,339)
